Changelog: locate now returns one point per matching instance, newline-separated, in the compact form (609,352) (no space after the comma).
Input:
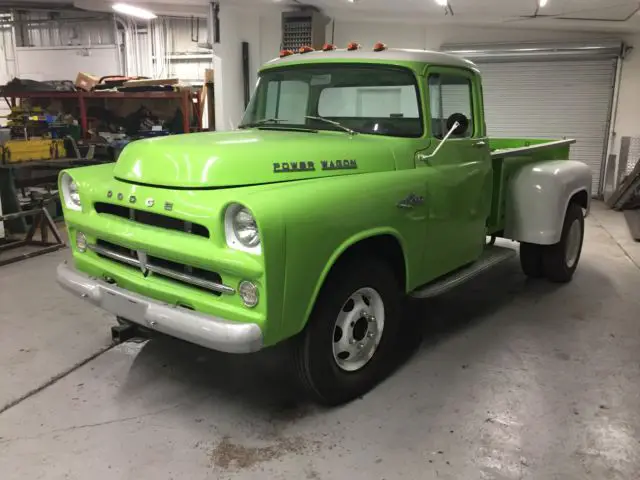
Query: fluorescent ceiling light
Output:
(133,11)
(442,3)
(542,3)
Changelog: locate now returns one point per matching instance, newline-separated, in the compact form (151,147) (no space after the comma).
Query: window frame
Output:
(472,77)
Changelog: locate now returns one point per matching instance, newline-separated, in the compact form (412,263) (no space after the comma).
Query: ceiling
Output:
(587,15)
(578,14)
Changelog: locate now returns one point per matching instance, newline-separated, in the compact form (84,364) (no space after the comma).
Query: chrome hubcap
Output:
(574,239)
(358,329)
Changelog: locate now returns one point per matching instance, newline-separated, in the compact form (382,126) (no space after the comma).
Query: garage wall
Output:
(262,31)
(63,63)
(180,55)
(57,47)
(627,121)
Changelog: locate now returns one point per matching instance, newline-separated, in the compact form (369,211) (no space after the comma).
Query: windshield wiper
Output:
(332,122)
(262,122)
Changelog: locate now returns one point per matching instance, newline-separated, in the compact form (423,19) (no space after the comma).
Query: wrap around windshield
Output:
(369,99)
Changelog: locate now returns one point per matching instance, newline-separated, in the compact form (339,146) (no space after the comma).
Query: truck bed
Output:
(509,154)
(517,147)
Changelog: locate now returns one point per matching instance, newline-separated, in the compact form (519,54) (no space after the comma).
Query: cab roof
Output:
(391,55)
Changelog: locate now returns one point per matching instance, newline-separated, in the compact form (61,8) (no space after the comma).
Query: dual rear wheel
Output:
(556,262)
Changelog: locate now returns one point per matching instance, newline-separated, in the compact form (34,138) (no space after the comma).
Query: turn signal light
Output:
(328,47)
(285,53)
(306,49)
(379,47)
(353,46)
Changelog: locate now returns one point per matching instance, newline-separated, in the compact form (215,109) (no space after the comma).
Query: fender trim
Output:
(344,246)
(538,196)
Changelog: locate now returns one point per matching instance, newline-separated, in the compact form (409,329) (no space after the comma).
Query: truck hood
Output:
(250,157)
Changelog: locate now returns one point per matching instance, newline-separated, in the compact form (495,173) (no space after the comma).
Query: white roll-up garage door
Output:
(554,99)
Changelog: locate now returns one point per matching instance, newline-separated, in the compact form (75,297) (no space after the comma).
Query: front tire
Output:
(561,260)
(348,344)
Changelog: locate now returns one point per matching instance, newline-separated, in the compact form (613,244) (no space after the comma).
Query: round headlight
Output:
(70,192)
(74,195)
(245,228)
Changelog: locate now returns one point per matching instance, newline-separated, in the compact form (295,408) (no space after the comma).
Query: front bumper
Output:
(205,330)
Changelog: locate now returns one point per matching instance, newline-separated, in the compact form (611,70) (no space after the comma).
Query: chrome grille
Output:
(149,264)
(151,218)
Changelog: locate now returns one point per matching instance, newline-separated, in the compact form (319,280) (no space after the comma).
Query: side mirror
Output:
(463,123)
(452,129)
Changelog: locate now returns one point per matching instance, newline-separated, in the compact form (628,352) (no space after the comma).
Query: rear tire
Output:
(348,344)
(531,260)
(561,260)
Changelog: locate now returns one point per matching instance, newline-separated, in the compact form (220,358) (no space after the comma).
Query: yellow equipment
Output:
(34,149)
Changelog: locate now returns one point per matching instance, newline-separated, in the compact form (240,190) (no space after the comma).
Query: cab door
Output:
(458,178)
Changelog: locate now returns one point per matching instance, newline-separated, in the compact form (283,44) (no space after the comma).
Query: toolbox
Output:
(33,149)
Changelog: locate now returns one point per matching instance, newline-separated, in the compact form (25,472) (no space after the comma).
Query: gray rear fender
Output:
(538,196)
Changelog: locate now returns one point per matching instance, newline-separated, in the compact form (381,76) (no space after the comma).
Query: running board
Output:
(491,257)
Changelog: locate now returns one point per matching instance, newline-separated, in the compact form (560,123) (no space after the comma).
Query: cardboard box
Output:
(85,81)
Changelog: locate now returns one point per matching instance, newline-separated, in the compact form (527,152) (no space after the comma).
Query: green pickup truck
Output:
(356,178)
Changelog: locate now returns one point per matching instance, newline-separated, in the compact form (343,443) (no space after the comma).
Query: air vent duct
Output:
(304,27)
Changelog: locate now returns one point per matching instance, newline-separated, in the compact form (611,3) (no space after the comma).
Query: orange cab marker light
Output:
(353,46)
(306,49)
(328,47)
(379,47)
(285,53)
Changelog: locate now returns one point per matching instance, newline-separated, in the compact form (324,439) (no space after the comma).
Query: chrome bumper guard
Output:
(205,330)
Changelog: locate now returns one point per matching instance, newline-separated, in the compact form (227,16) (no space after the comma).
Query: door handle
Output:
(480,144)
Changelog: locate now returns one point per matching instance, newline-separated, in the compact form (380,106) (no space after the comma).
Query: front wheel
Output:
(561,260)
(348,344)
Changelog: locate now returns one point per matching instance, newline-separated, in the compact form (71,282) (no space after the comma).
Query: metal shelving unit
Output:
(189,102)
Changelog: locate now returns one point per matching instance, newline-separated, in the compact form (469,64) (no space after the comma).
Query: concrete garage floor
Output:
(513,379)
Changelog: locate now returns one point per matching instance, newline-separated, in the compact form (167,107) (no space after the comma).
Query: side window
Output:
(450,94)
(288,100)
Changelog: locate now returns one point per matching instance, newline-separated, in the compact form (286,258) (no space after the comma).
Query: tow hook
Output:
(124,333)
